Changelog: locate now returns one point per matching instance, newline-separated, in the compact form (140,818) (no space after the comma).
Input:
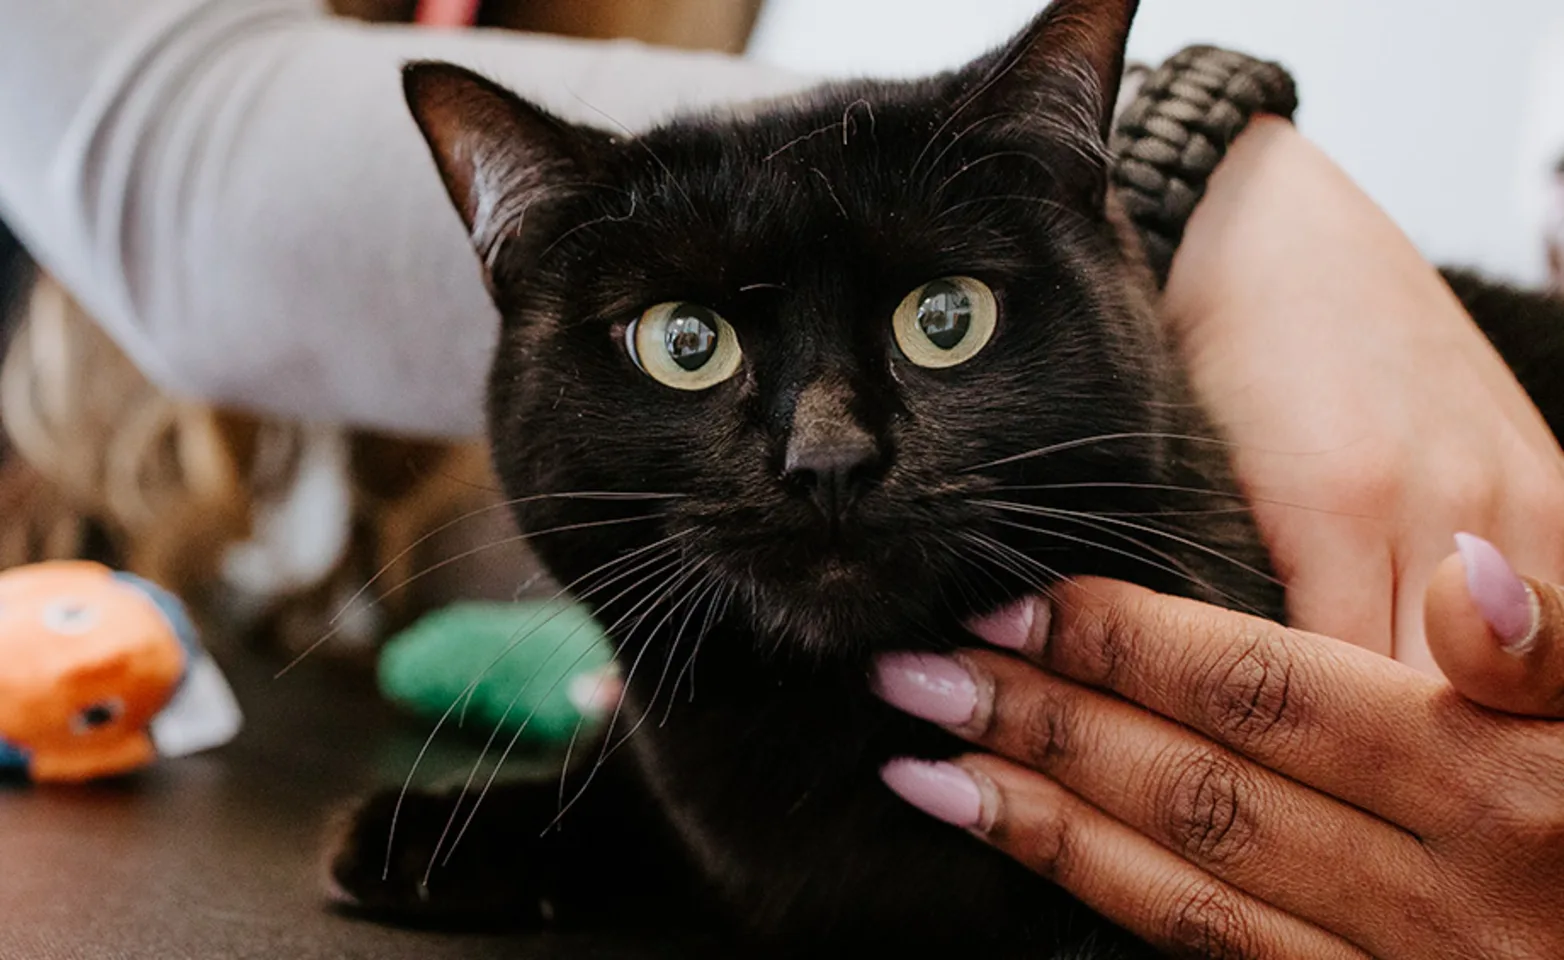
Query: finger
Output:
(1225,814)
(1498,637)
(1149,891)
(1347,722)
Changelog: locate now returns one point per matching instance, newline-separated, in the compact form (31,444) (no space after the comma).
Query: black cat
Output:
(855,368)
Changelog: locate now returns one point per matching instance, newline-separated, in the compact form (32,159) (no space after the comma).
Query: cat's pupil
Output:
(692,336)
(944,314)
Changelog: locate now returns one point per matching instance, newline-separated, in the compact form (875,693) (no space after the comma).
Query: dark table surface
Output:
(218,856)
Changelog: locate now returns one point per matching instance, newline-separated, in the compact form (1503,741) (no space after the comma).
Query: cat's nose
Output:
(832,468)
(830,457)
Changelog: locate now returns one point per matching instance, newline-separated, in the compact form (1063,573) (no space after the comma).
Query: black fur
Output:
(804,226)
(1527,329)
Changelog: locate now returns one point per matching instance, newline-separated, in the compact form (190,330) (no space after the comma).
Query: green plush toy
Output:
(555,675)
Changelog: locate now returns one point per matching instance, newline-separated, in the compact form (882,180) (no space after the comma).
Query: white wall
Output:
(1427,103)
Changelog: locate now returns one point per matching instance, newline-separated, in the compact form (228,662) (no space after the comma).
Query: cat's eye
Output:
(945,322)
(683,345)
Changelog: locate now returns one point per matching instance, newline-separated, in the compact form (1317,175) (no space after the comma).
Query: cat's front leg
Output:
(608,862)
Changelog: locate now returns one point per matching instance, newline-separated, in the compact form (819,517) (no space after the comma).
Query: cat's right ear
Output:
(498,154)
(1060,75)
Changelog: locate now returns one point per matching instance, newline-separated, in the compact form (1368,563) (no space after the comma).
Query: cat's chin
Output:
(833,609)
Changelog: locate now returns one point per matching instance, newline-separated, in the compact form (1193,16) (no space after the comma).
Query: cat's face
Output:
(814,334)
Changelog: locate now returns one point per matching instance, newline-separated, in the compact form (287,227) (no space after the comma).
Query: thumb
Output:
(1498,637)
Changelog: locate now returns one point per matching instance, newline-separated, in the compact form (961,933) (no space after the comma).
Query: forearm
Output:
(235,189)
(1276,198)
(1370,418)
(1279,217)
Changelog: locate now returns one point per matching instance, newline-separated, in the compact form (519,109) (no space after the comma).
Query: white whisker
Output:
(1091,441)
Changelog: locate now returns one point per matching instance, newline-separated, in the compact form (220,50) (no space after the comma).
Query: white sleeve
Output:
(235,188)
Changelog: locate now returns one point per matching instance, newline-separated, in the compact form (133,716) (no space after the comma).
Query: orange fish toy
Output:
(101,673)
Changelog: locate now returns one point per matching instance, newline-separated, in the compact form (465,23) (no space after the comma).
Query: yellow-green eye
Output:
(945,322)
(684,346)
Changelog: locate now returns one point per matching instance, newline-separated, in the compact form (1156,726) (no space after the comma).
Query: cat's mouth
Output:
(840,559)
(833,572)
(839,594)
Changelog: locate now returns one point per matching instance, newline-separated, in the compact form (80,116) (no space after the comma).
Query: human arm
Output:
(235,189)
(1371,419)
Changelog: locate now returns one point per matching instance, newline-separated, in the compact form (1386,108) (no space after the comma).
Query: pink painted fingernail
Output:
(1501,596)
(931,688)
(1012,627)
(941,790)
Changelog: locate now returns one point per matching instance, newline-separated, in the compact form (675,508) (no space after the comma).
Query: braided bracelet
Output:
(1176,129)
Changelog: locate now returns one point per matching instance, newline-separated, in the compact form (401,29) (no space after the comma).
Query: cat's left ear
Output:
(1060,74)
(499,155)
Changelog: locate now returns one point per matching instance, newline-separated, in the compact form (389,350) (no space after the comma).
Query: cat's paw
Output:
(387,860)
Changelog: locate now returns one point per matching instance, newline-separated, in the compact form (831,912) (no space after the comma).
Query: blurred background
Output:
(1434,106)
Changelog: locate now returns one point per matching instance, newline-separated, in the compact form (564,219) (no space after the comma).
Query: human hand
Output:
(1371,418)
(1224,786)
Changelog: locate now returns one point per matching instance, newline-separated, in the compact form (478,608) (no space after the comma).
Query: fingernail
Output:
(1012,627)
(941,790)
(1501,596)
(932,688)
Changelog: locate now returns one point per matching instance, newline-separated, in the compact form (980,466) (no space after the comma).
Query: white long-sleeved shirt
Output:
(236,190)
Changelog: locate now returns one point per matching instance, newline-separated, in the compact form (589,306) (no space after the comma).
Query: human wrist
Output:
(1210,257)
(1176,124)
(1278,217)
